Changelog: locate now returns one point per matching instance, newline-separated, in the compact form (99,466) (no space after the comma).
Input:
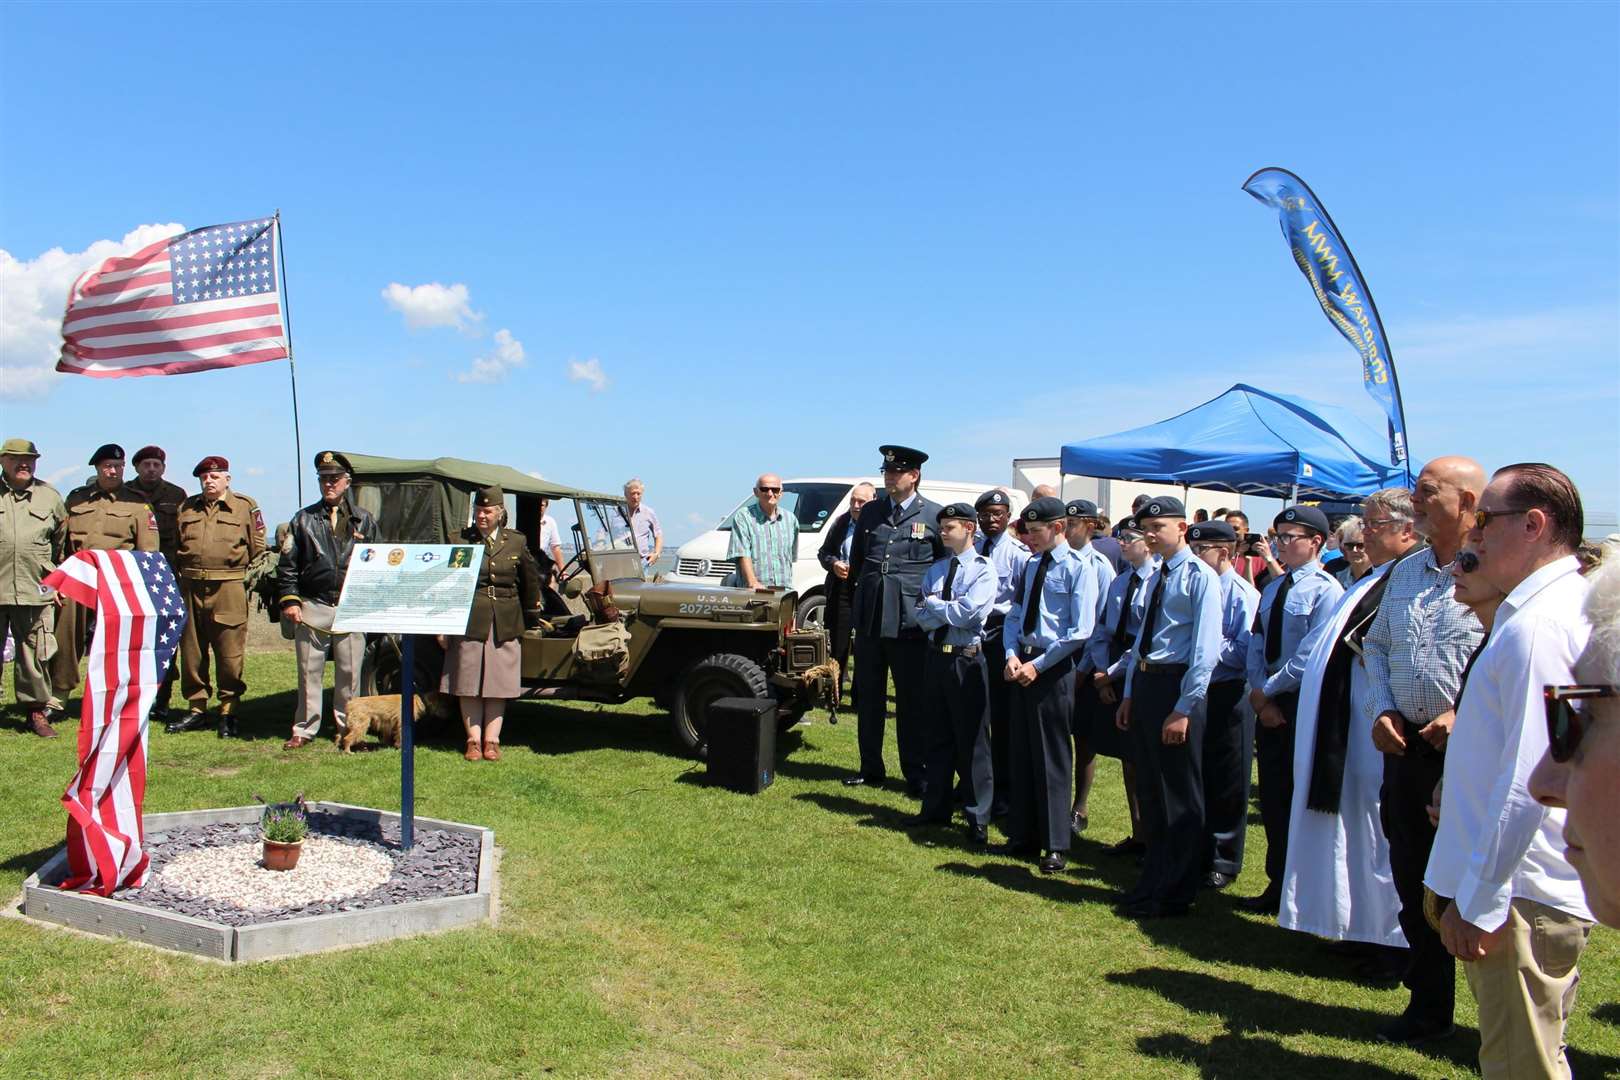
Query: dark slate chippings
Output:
(440,864)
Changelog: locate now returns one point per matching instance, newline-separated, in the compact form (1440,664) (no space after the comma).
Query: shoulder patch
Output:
(151,519)
(258,521)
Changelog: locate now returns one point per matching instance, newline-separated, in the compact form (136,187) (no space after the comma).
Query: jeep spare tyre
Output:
(714,677)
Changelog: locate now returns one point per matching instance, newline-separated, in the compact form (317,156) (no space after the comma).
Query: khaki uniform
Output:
(32,533)
(165,500)
(217,544)
(97,520)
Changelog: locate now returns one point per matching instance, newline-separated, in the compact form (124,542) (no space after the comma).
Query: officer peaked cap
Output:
(1308,516)
(993,497)
(1162,506)
(212,463)
(149,452)
(902,457)
(107,452)
(331,461)
(1080,508)
(1212,532)
(958,511)
(1046,508)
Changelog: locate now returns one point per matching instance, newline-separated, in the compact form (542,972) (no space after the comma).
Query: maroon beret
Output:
(150,451)
(212,463)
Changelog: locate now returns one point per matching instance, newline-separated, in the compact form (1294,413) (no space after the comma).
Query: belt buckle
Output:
(947,649)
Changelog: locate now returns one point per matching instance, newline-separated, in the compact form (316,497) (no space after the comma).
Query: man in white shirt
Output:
(550,538)
(1517,916)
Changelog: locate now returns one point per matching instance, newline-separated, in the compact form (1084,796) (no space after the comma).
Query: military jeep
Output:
(685,646)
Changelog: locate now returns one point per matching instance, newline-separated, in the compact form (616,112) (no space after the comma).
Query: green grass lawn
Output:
(651,926)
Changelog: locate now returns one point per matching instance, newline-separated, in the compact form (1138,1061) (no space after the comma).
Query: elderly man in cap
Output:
(1048,625)
(164,498)
(221,535)
(102,516)
(1007,554)
(1164,706)
(896,541)
(1293,604)
(309,578)
(32,532)
(1079,528)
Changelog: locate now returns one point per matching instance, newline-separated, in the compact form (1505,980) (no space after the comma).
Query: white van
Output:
(815,501)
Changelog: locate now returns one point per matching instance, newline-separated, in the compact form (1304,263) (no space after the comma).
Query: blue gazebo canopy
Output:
(1248,441)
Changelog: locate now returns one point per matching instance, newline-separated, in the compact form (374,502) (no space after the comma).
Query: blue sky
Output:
(698,242)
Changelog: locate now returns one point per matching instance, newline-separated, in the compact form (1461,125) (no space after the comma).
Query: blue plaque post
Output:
(407,755)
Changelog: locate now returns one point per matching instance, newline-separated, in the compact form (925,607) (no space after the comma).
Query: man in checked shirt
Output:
(1416,649)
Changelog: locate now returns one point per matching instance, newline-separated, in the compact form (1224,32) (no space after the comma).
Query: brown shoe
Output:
(492,751)
(474,753)
(296,742)
(39,725)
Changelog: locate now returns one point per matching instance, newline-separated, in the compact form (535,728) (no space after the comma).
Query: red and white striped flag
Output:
(204,299)
(139,618)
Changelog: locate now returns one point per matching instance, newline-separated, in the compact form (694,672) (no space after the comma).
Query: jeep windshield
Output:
(812,504)
(608,525)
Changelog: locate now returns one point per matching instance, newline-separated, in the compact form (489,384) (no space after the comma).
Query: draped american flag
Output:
(139,618)
(205,299)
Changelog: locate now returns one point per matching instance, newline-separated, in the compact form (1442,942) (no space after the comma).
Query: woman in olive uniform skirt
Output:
(484,666)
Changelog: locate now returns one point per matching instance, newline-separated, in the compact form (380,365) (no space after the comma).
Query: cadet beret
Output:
(1308,516)
(149,452)
(1080,508)
(1045,508)
(212,463)
(332,461)
(1165,506)
(19,447)
(993,497)
(902,457)
(958,511)
(490,496)
(1212,531)
(1127,525)
(107,451)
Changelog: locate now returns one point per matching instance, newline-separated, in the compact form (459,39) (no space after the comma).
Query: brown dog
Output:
(379,714)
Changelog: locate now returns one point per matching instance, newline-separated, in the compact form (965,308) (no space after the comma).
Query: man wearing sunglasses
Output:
(765,539)
(1516,914)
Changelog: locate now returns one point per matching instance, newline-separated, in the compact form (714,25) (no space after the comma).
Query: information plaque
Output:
(408,589)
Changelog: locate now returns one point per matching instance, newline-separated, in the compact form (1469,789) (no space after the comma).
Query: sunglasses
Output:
(1352,545)
(768,490)
(1482,517)
(1566,721)
(1467,561)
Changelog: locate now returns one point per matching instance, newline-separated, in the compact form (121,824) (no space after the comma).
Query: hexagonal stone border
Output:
(262,941)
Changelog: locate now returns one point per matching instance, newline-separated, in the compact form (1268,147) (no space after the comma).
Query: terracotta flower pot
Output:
(279,856)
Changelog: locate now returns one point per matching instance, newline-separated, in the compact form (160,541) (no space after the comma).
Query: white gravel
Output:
(328,869)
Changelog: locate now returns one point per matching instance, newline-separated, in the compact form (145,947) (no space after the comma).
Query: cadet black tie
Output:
(945,594)
(1151,618)
(1032,597)
(1274,628)
(1124,613)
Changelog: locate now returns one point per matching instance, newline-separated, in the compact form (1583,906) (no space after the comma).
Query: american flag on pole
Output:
(205,299)
(139,617)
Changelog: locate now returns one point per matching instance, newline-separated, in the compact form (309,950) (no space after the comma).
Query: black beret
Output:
(490,496)
(211,463)
(1045,508)
(1165,506)
(1216,531)
(106,451)
(150,452)
(993,497)
(1308,516)
(1081,508)
(958,511)
(331,461)
(902,457)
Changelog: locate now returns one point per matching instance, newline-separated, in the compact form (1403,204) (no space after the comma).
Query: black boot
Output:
(195,720)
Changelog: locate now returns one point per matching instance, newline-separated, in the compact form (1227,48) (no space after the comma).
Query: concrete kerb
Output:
(41,901)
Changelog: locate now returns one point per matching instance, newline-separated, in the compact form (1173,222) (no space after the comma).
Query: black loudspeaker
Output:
(742,744)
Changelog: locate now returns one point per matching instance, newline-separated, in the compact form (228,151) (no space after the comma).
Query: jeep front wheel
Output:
(714,677)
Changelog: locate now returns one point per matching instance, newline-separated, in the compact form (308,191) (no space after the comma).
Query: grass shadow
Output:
(1025,878)
(1234,1054)
(1608,1012)
(30,861)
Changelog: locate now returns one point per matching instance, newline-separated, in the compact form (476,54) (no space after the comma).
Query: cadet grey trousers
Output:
(309,643)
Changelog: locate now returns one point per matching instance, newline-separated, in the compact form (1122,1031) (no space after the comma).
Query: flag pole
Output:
(292,370)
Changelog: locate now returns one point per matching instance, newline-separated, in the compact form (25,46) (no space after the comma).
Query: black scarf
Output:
(1333,707)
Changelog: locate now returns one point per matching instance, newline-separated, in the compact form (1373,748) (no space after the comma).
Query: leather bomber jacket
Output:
(313,561)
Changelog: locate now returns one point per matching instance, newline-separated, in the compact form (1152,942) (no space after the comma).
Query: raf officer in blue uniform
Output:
(1292,605)
(896,540)
(1007,554)
(1079,529)
(1164,706)
(1049,622)
(957,593)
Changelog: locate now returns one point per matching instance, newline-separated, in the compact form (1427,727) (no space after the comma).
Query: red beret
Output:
(214,463)
(150,451)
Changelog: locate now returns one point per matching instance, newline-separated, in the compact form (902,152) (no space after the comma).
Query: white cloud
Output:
(537,475)
(497,365)
(433,305)
(33,293)
(589,372)
(695,518)
(255,470)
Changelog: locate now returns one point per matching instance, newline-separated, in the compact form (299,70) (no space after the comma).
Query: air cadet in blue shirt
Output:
(1007,554)
(1050,620)
(1229,728)
(1108,654)
(1166,686)
(1082,520)
(1291,607)
(957,593)
(896,540)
